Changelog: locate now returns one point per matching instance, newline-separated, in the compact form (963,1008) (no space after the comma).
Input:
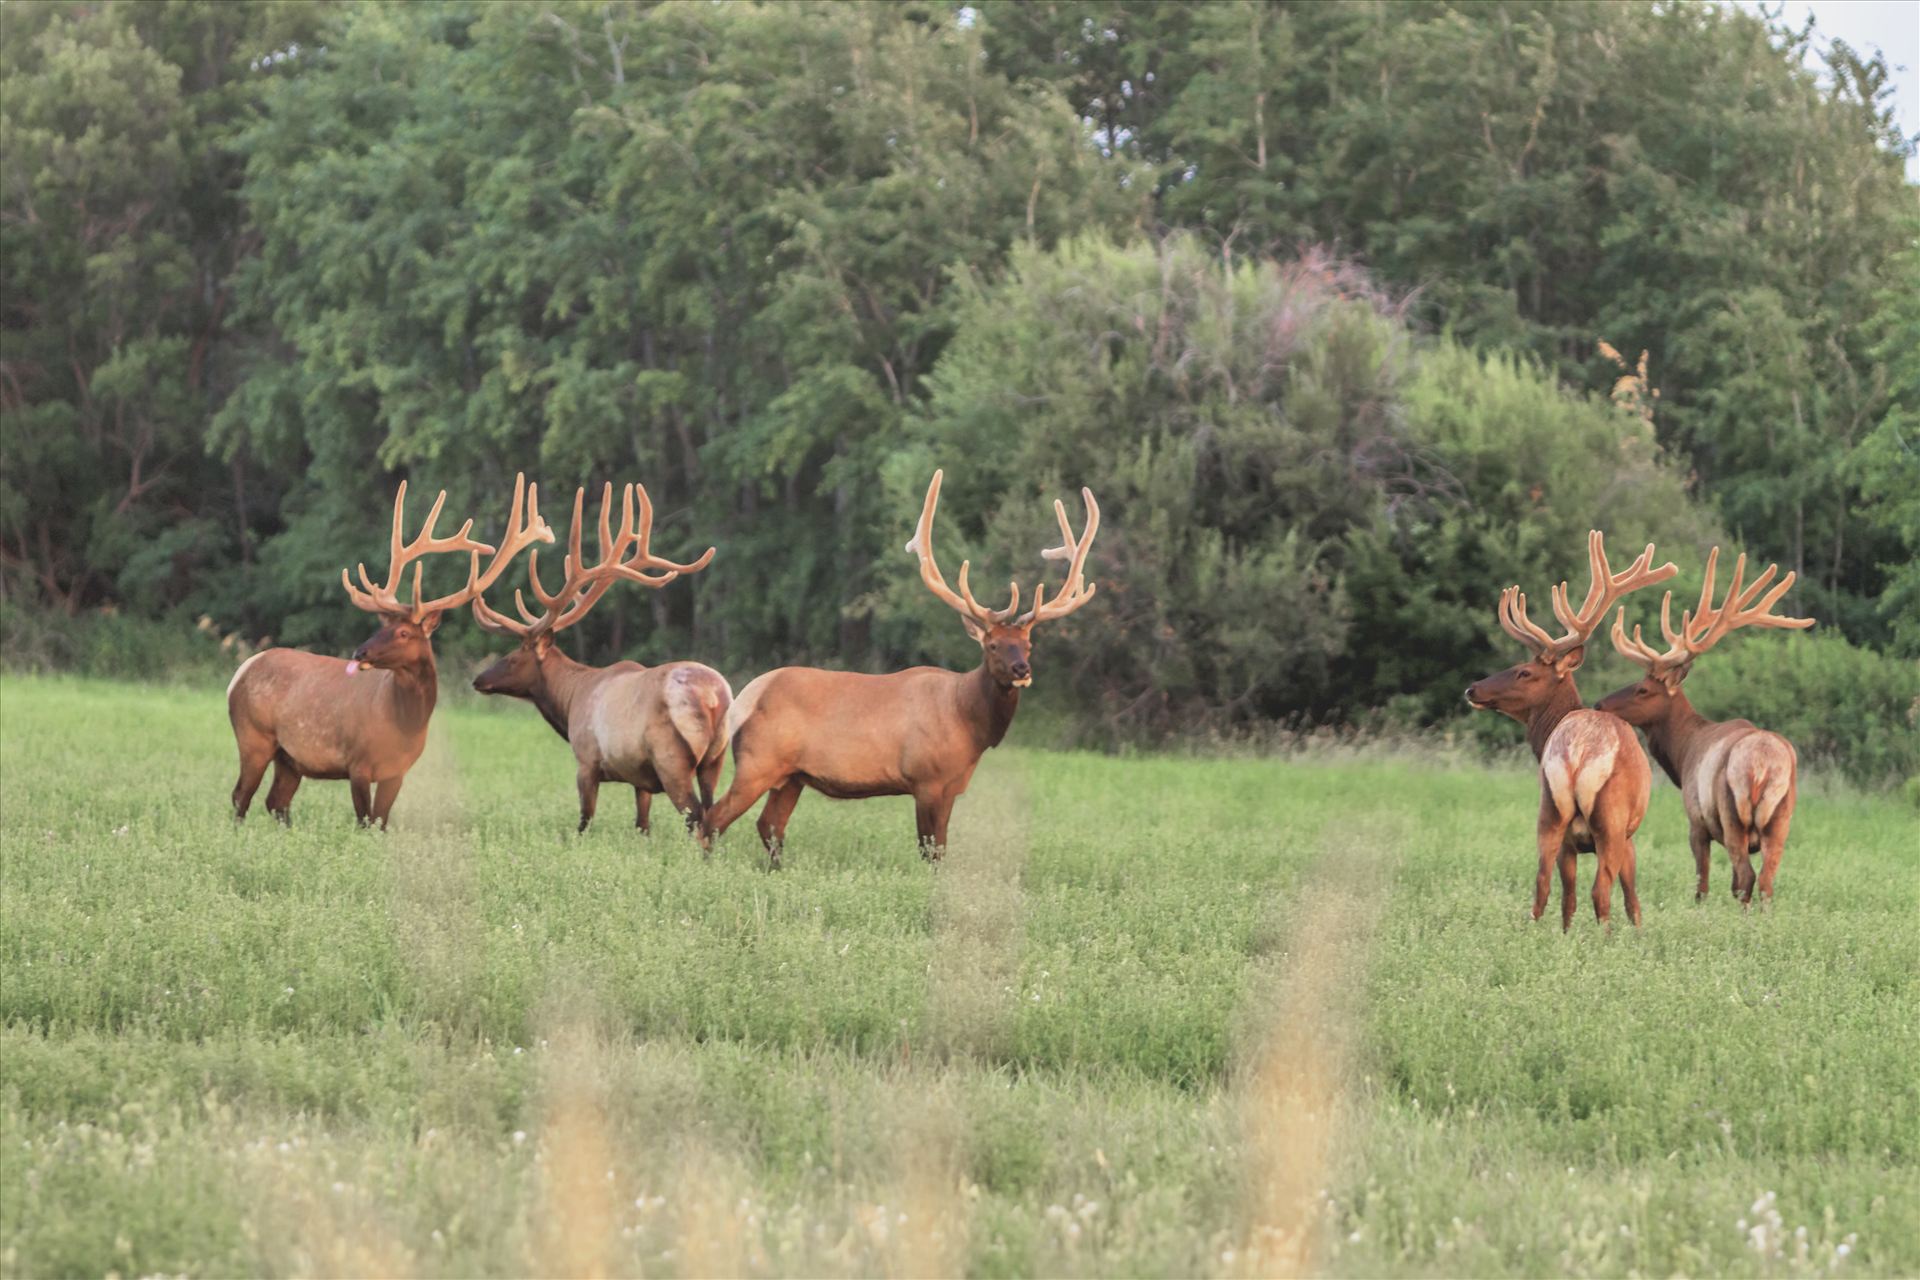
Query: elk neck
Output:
(411,692)
(1558,705)
(988,707)
(1670,739)
(562,680)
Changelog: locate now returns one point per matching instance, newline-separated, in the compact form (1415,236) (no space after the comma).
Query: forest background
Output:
(1339,309)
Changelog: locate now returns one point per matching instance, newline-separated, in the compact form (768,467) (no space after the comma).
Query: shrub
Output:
(1842,706)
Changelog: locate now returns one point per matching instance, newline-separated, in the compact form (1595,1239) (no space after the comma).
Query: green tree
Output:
(1306,512)
(118,230)
(705,246)
(1546,175)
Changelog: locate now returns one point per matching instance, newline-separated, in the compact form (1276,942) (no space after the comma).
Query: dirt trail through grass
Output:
(1294,1087)
(438,930)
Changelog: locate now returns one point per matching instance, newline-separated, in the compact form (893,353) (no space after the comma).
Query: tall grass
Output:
(1153,1016)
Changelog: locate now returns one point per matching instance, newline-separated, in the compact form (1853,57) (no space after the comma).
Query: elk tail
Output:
(1763,787)
(697,702)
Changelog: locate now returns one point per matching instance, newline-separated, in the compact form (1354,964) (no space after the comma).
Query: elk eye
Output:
(1526,673)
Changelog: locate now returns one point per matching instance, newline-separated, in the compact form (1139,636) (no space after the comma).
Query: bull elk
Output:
(314,716)
(1736,781)
(918,732)
(654,728)
(1594,780)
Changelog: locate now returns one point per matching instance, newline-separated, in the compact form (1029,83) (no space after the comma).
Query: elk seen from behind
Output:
(1594,779)
(919,732)
(1738,782)
(364,719)
(658,729)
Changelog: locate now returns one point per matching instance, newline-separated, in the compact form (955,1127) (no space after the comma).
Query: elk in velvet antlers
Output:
(1594,780)
(654,728)
(365,720)
(1736,781)
(918,732)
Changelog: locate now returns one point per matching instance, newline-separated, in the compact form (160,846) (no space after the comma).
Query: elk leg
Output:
(642,802)
(942,810)
(1773,843)
(587,777)
(383,798)
(773,819)
(675,770)
(1702,856)
(1552,837)
(1627,870)
(1739,843)
(1612,861)
(927,813)
(708,775)
(749,784)
(1569,884)
(286,781)
(253,767)
(362,788)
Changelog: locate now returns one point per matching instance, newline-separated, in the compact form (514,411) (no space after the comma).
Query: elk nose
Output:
(1021,670)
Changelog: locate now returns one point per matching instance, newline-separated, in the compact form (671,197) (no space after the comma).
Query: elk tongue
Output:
(353,665)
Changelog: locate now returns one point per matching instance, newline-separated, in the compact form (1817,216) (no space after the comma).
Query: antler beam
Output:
(524,527)
(585,584)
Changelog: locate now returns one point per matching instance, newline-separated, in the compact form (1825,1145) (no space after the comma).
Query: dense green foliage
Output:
(1304,513)
(325,1051)
(779,260)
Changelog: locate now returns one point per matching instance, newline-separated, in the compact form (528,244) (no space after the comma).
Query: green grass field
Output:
(1152,1017)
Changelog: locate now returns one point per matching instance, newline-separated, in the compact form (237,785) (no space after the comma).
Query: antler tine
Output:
(401,554)
(1515,622)
(922,547)
(568,566)
(646,543)
(1602,594)
(585,584)
(488,620)
(1738,609)
(980,610)
(1073,592)
(524,528)
(1637,650)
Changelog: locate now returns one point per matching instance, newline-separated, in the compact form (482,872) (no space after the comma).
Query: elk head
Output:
(520,673)
(1521,690)
(1646,700)
(403,640)
(1006,641)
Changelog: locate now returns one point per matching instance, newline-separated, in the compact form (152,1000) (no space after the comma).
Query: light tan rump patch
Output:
(1578,761)
(1759,774)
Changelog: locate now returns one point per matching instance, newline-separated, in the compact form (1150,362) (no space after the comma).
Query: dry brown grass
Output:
(1293,1088)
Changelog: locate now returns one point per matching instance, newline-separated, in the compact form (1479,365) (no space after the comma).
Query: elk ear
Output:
(1569,662)
(974,628)
(1672,678)
(542,644)
(431,623)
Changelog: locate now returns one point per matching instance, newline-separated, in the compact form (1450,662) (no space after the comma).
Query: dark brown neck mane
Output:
(561,681)
(1563,702)
(989,707)
(411,692)
(1670,738)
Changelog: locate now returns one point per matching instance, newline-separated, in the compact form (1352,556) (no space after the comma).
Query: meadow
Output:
(1152,1016)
